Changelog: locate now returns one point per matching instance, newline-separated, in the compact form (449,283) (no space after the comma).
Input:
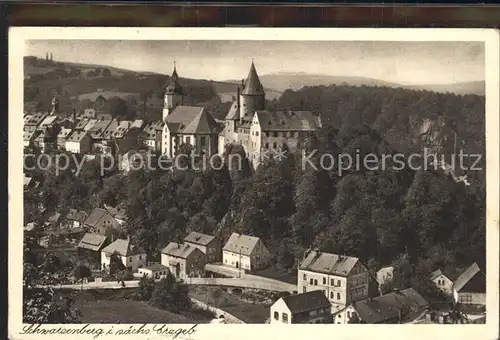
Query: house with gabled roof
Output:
(208,244)
(151,135)
(183,260)
(78,142)
(442,281)
(399,306)
(62,136)
(131,256)
(100,220)
(305,308)
(90,247)
(35,119)
(98,128)
(470,287)
(73,219)
(343,279)
(246,252)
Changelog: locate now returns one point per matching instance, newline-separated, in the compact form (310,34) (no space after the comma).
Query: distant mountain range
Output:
(295,81)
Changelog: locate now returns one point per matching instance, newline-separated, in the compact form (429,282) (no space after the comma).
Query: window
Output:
(140,257)
(275,145)
(305,277)
(311,281)
(324,280)
(315,282)
(257,133)
(338,296)
(338,283)
(284,316)
(304,289)
(348,314)
(130,259)
(276,316)
(331,295)
(267,134)
(188,140)
(267,145)
(275,134)
(332,282)
(202,140)
(340,316)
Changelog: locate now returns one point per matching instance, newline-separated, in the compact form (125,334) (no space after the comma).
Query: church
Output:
(247,123)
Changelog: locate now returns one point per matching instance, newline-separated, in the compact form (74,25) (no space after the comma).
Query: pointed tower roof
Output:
(252,84)
(174,87)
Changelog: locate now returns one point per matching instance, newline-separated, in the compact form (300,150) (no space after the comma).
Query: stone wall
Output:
(218,312)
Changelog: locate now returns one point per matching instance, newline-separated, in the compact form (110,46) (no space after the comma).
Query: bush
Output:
(171,295)
(146,288)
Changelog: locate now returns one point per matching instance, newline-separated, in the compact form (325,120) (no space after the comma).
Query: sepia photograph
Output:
(255,181)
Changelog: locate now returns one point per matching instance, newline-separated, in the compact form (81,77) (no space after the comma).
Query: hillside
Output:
(295,81)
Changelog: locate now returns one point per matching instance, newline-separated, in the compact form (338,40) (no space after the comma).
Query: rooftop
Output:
(305,302)
(333,264)
(472,280)
(123,248)
(179,250)
(199,238)
(253,85)
(76,136)
(405,303)
(288,121)
(92,241)
(155,267)
(239,243)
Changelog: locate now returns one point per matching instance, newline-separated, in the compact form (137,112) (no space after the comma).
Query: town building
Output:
(73,219)
(90,247)
(343,279)
(122,128)
(152,135)
(257,130)
(88,113)
(79,142)
(100,220)
(208,244)
(110,130)
(131,256)
(304,308)
(183,260)
(29,137)
(245,252)
(400,306)
(88,124)
(35,119)
(154,271)
(470,287)
(192,125)
(98,128)
(394,273)
(442,282)
(62,136)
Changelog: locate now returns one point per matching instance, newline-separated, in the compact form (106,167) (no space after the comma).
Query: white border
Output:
(17,38)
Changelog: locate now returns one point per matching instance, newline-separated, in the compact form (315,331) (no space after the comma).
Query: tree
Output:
(115,263)
(106,72)
(171,295)
(146,288)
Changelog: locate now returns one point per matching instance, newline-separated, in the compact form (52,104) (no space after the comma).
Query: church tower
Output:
(174,95)
(252,96)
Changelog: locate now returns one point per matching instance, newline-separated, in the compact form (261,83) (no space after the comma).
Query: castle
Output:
(247,123)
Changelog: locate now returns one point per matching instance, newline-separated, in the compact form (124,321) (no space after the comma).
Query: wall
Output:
(343,316)
(447,287)
(134,261)
(231,259)
(475,298)
(218,312)
(279,307)
(324,282)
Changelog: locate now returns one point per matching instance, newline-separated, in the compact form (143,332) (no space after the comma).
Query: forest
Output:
(376,215)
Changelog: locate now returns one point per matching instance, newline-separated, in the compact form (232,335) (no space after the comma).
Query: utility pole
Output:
(239,267)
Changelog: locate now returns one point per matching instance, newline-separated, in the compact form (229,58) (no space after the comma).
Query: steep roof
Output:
(174,87)
(36,119)
(90,124)
(252,85)
(122,128)
(110,129)
(387,307)
(123,247)
(29,135)
(305,302)
(183,115)
(64,133)
(327,263)
(154,267)
(203,123)
(95,216)
(436,274)
(92,241)
(472,280)
(151,129)
(138,123)
(48,121)
(234,111)
(288,121)
(199,238)
(241,243)
(99,127)
(179,250)
(76,136)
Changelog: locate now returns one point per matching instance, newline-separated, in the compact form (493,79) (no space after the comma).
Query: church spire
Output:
(174,87)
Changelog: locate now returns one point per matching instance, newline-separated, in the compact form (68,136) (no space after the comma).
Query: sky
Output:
(399,62)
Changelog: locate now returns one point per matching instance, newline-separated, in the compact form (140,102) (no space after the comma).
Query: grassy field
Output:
(277,274)
(113,307)
(245,311)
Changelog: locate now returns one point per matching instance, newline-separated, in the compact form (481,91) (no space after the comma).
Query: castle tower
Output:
(252,96)
(174,94)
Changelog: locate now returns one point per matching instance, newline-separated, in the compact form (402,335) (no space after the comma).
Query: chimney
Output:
(242,83)
(74,118)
